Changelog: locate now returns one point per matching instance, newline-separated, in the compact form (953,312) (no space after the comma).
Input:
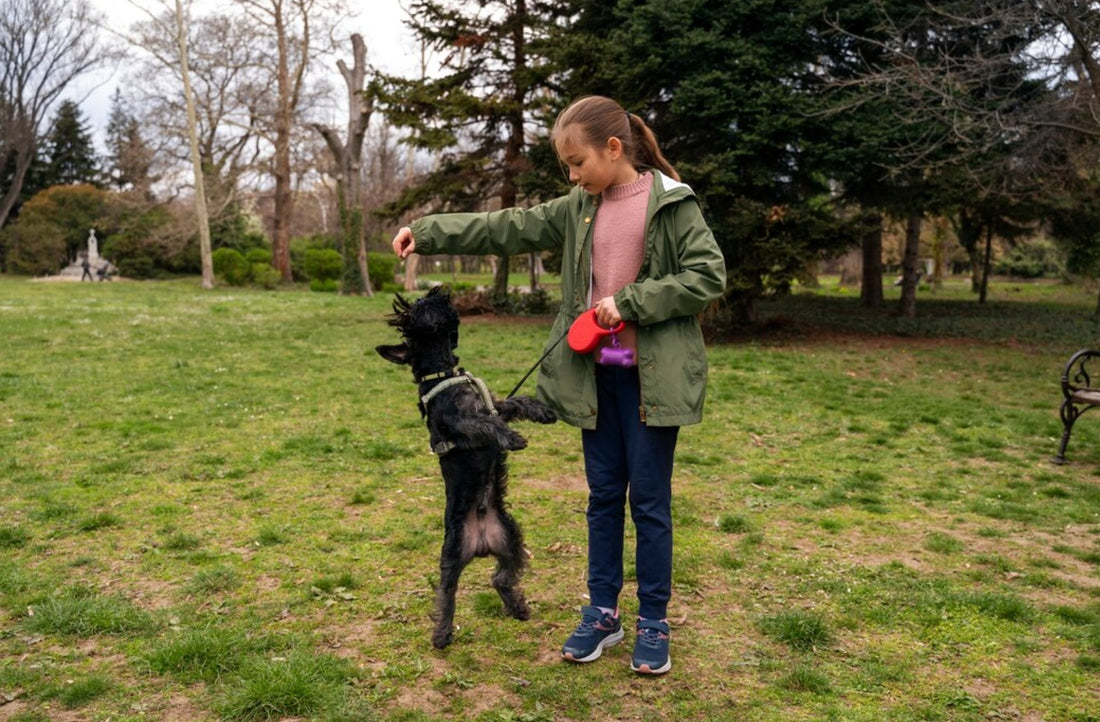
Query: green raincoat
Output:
(682,271)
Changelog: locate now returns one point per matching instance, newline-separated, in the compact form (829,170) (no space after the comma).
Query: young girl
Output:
(636,248)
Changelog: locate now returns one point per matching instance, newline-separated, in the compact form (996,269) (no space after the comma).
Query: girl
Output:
(636,248)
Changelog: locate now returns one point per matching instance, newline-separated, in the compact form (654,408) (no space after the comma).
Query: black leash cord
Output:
(538,363)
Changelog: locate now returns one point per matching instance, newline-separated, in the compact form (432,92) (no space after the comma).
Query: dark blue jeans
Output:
(625,460)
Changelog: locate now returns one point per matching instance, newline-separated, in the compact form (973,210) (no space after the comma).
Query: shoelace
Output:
(650,637)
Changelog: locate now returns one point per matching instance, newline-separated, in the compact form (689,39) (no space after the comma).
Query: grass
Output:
(219,506)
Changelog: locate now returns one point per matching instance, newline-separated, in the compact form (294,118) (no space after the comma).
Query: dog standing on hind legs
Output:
(469,433)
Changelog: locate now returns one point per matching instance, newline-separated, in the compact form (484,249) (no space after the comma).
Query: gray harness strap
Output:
(463,378)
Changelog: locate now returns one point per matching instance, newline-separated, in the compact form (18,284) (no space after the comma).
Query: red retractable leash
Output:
(584,335)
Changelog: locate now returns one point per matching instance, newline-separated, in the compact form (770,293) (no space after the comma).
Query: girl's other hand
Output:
(404,243)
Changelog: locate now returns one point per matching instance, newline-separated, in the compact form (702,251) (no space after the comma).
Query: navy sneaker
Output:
(596,631)
(651,648)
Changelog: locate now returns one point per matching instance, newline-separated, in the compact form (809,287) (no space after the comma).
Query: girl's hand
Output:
(404,243)
(607,313)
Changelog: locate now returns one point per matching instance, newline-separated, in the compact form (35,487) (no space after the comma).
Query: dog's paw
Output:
(544,415)
(441,638)
(514,441)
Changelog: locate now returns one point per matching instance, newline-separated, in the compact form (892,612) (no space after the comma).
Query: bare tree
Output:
(290,28)
(226,86)
(347,157)
(173,21)
(45,45)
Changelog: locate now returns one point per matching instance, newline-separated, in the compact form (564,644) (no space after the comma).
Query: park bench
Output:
(1080,395)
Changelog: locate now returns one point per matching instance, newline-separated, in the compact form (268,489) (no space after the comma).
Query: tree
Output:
(53,227)
(1001,84)
(727,87)
(45,45)
(347,159)
(227,83)
(129,160)
(290,24)
(70,152)
(174,22)
(475,113)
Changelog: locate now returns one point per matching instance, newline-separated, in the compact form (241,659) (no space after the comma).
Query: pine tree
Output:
(70,152)
(474,113)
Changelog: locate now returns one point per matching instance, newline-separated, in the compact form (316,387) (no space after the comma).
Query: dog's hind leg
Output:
(511,558)
(451,563)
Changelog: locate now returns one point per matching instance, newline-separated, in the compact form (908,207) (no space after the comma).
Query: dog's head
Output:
(429,332)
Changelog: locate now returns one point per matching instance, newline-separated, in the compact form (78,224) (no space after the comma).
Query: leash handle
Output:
(537,364)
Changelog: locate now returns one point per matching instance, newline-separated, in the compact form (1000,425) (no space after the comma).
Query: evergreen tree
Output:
(70,152)
(728,88)
(474,114)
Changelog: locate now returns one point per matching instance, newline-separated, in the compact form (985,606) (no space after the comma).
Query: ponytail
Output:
(646,150)
(593,119)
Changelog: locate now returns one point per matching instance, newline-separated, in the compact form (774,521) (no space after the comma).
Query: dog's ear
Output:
(398,354)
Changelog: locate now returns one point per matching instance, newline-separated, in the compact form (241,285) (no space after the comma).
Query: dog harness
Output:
(461,377)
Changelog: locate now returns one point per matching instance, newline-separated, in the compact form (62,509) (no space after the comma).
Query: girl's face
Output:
(595,168)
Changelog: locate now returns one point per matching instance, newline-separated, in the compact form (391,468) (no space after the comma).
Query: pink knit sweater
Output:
(618,245)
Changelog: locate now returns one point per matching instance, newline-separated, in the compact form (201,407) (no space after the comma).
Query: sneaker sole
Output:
(609,641)
(646,669)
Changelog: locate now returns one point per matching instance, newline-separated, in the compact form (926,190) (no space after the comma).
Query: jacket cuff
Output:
(420,234)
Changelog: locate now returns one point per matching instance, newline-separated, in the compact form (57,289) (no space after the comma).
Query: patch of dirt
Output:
(571,482)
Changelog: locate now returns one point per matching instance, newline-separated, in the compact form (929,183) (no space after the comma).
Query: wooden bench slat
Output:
(1086,396)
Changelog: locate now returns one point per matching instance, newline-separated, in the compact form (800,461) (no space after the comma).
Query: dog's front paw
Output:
(544,415)
(514,441)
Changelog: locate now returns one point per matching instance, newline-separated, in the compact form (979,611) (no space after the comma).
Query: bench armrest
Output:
(1076,376)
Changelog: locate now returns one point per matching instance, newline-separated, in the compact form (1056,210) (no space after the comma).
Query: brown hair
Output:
(596,118)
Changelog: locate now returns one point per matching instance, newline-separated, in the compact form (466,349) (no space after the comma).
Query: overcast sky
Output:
(389,47)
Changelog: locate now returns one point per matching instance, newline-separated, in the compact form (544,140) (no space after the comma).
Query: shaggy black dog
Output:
(469,433)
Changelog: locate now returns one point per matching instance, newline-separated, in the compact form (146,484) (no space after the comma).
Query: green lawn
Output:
(220,505)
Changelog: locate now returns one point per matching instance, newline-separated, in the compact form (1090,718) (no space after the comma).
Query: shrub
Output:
(300,245)
(231,266)
(381,267)
(327,286)
(323,264)
(259,255)
(264,275)
(1033,260)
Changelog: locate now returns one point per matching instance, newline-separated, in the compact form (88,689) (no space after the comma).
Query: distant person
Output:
(637,249)
(87,266)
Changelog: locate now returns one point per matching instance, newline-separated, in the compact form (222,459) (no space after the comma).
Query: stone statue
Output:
(93,247)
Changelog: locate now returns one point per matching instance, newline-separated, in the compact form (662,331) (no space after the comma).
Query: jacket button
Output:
(588,219)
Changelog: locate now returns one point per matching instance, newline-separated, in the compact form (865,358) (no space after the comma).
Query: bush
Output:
(323,264)
(259,255)
(324,285)
(381,267)
(264,275)
(34,247)
(299,245)
(1032,260)
(231,266)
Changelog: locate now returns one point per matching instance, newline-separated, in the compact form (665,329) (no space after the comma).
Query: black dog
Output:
(469,433)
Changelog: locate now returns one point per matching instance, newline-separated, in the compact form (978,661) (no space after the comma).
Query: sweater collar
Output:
(641,184)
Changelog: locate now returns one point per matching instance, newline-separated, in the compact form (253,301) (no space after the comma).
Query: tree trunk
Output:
(347,158)
(870,292)
(201,215)
(411,264)
(513,148)
(283,197)
(910,265)
(986,263)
